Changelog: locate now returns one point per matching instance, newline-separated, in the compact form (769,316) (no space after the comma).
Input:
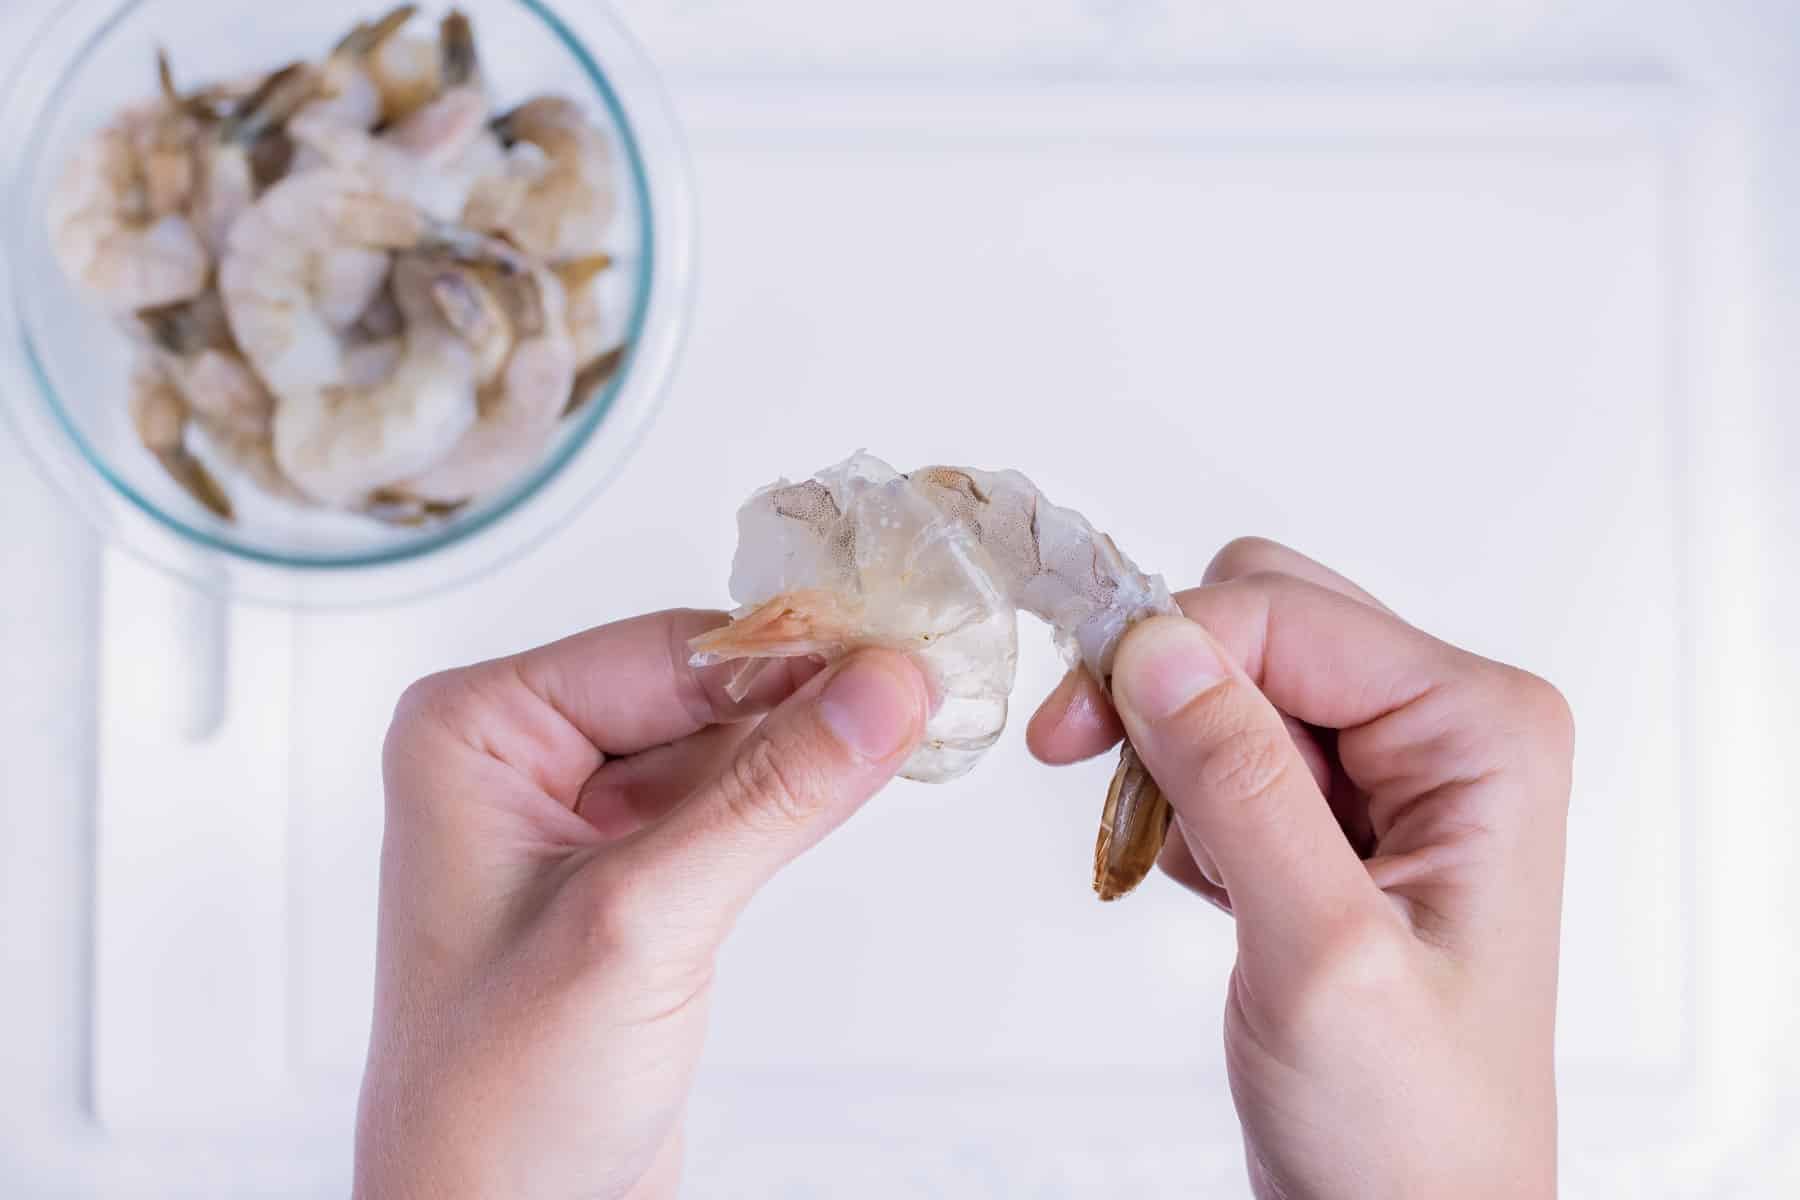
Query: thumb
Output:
(809,765)
(1222,755)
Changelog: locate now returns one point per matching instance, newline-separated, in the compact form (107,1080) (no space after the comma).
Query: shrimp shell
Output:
(936,563)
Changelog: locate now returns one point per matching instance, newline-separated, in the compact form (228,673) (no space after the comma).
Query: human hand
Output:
(570,834)
(1384,814)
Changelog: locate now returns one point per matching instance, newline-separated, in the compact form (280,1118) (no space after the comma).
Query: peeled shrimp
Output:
(519,409)
(249,150)
(349,95)
(159,414)
(226,401)
(118,213)
(588,331)
(936,563)
(434,156)
(554,196)
(336,437)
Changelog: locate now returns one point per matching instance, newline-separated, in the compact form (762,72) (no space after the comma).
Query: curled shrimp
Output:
(337,436)
(159,414)
(249,148)
(936,563)
(435,155)
(118,215)
(521,403)
(226,401)
(553,197)
(596,361)
(348,93)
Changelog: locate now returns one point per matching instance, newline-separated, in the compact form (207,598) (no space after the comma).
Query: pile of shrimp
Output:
(352,282)
(936,564)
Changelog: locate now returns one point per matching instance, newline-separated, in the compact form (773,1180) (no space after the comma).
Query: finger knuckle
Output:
(435,700)
(1238,556)
(1243,765)
(1555,716)
(1363,964)
(613,911)
(420,697)
(426,705)
(1545,712)
(768,786)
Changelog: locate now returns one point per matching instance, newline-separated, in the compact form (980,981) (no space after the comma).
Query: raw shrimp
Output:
(935,563)
(118,220)
(580,278)
(554,196)
(159,414)
(338,438)
(349,95)
(410,72)
(595,361)
(224,397)
(249,150)
(519,409)
(435,156)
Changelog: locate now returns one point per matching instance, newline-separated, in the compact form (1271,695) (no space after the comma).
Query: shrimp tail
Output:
(1132,827)
(576,273)
(456,41)
(196,480)
(266,109)
(791,625)
(365,39)
(590,377)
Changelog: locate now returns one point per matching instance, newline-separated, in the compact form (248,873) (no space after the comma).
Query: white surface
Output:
(191,979)
(1494,352)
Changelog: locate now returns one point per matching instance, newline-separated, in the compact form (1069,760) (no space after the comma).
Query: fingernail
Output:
(1162,665)
(869,708)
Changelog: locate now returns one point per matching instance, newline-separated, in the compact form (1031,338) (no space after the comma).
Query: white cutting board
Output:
(1466,344)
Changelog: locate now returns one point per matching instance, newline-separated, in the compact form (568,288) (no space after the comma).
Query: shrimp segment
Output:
(118,224)
(224,398)
(336,436)
(434,156)
(349,94)
(159,414)
(936,563)
(520,407)
(554,196)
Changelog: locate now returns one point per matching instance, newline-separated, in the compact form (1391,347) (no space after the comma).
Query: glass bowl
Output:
(64,366)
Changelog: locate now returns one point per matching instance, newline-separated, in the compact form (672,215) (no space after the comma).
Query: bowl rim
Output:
(660,304)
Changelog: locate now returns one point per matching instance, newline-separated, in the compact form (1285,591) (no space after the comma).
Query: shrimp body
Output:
(554,195)
(411,72)
(118,224)
(436,154)
(936,563)
(337,436)
(159,414)
(192,352)
(523,396)
(249,150)
(861,556)
(348,92)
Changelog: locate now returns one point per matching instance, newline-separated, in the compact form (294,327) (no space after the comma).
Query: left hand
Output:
(570,834)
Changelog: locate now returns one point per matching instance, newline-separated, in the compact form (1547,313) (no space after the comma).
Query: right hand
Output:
(1384,816)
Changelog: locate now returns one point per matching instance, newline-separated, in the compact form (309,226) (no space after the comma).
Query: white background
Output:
(1485,307)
